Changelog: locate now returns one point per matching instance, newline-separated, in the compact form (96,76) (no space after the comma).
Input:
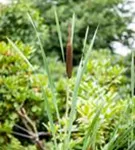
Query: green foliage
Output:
(15,24)
(16,145)
(18,87)
(113,75)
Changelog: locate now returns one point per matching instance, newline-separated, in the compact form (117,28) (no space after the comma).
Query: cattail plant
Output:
(70,109)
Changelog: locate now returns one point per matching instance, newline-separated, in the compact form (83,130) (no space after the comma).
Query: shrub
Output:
(15,23)
(18,88)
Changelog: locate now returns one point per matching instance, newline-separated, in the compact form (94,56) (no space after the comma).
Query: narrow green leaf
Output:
(85,40)
(59,33)
(51,82)
(73,28)
(132,90)
(132,74)
(20,53)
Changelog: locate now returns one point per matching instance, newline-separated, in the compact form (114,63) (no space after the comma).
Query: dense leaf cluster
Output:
(18,88)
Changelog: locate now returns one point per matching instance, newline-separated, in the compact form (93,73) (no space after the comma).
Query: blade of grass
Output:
(51,83)
(59,33)
(73,27)
(132,74)
(85,40)
(123,138)
(80,72)
(132,91)
(118,139)
(47,106)
(132,146)
(20,53)
(90,137)
(111,144)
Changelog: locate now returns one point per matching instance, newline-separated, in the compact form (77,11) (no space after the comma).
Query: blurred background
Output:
(116,19)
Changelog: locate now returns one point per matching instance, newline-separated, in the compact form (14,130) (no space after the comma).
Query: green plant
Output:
(18,88)
(14,23)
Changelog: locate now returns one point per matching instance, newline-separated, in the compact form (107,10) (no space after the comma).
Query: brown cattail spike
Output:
(69,54)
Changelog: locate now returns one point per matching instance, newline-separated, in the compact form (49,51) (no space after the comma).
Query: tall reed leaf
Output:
(132,74)
(132,90)
(51,83)
(20,53)
(85,40)
(59,33)
(73,27)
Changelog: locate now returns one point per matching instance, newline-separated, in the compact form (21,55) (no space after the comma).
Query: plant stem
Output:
(132,94)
